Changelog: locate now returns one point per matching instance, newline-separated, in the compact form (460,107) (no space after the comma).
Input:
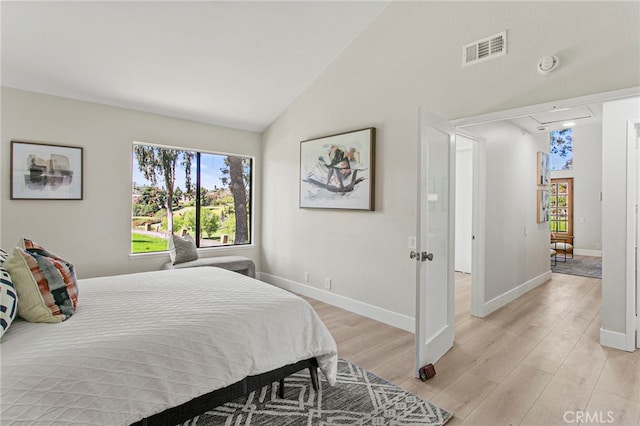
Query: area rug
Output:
(584,266)
(358,398)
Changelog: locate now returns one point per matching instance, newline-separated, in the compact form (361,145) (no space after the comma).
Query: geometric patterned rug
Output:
(584,266)
(358,398)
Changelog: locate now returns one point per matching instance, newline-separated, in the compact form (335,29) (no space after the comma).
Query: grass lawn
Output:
(141,243)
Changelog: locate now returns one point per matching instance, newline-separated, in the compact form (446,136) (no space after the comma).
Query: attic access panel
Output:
(562,115)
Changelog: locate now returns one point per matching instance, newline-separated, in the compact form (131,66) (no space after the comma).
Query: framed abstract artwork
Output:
(543,205)
(338,171)
(543,169)
(41,171)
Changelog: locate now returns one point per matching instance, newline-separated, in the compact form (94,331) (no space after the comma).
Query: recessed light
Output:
(569,124)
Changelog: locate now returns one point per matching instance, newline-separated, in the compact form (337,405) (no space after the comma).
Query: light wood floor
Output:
(536,361)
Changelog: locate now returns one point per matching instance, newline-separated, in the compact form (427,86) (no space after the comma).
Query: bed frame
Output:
(244,387)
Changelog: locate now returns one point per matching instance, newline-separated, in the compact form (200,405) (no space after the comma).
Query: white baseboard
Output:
(585,252)
(394,319)
(513,294)
(616,340)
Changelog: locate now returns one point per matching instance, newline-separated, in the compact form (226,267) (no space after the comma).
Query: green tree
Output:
(209,221)
(229,225)
(204,199)
(237,177)
(152,198)
(177,196)
(157,163)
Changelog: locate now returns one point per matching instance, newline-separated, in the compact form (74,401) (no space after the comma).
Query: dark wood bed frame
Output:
(244,387)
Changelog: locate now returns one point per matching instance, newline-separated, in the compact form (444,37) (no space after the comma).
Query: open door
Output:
(435,254)
(637,178)
(633,223)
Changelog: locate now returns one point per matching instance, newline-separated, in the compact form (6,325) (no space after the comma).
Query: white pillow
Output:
(182,249)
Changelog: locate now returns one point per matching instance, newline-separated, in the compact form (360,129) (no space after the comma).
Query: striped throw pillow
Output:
(45,283)
(8,296)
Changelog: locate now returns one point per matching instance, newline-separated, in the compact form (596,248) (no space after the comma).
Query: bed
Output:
(150,348)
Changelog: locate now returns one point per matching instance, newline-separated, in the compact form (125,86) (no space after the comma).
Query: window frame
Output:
(553,147)
(197,202)
(569,220)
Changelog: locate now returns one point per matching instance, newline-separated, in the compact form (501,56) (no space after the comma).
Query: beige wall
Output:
(94,234)
(411,56)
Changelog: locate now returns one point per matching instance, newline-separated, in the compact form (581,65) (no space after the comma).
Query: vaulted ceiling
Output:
(238,64)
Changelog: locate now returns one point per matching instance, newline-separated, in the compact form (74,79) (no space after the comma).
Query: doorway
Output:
(464,203)
(527,239)
(492,300)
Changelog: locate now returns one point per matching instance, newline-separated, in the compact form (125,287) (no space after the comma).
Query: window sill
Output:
(208,250)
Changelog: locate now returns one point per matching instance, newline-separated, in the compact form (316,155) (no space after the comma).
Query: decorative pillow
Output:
(45,283)
(182,249)
(8,296)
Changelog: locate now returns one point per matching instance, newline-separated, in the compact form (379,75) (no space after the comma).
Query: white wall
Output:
(615,303)
(94,234)
(587,185)
(411,56)
(517,247)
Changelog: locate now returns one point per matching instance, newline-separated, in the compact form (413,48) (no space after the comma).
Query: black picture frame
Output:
(46,171)
(338,171)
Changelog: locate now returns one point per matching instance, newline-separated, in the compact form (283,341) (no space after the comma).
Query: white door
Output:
(637,160)
(637,126)
(464,203)
(634,182)
(435,252)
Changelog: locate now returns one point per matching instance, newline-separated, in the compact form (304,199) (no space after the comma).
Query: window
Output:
(561,207)
(561,150)
(165,184)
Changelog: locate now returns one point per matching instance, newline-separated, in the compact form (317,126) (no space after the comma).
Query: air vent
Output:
(487,48)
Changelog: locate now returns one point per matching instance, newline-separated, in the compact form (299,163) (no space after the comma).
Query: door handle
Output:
(421,257)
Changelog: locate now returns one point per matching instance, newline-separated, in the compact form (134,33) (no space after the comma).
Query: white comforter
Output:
(141,343)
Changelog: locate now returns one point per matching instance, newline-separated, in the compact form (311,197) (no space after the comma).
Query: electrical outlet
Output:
(306,277)
(327,283)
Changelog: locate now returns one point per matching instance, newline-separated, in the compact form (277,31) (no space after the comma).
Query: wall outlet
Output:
(327,283)
(306,277)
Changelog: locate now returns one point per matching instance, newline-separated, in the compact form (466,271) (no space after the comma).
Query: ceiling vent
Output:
(487,48)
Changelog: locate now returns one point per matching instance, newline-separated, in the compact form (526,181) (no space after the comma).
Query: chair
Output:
(562,244)
(554,258)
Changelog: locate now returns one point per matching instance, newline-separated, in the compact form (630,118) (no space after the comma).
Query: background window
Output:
(165,184)
(561,207)
(561,150)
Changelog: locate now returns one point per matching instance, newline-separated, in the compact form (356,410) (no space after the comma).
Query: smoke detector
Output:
(548,64)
